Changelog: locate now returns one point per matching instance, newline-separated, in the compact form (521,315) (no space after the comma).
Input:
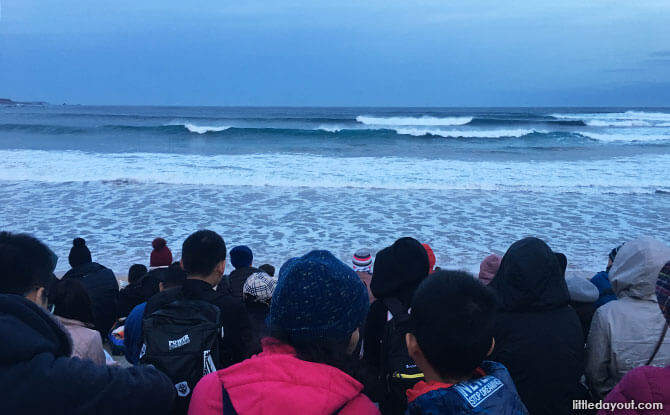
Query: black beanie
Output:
(399,269)
(79,253)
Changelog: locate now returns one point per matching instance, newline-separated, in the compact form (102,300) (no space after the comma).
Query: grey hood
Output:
(636,267)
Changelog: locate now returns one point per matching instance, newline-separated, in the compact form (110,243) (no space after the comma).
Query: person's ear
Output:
(493,346)
(221,267)
(38,296)
(413,347)
(161,286)
(353,341)
(181,263)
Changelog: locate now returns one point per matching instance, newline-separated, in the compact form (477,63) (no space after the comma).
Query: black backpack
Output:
(398,370)
(183,339)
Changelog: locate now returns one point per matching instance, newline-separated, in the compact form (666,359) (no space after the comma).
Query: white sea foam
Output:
(631,136)
(619,119)
(203,129)
(466,133)
(412,121)
(301,170)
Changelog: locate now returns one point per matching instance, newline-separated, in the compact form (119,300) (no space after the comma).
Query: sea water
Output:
(285,181)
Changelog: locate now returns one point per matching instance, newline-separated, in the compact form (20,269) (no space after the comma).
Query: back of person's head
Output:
(79,253)
(268,269)
(202,251)
(362,261)
(241,256)
(161,256)
(612,256)
(452,319)
(399,269)
(636,268)
(172,277)
(531,277)
(488,268)
(258,288)
(663,291)
(26,264)
(70,300)
(135,272)
(318,300)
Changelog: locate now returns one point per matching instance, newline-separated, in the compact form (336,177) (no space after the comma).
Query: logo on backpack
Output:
(175,344)
(207,363)
(182,389)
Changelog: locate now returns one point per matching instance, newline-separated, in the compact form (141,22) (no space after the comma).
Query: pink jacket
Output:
(86,342)
(277,382)
(645,384)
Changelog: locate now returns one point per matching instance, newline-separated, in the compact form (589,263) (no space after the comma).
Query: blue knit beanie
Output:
(318,297)
(241,256)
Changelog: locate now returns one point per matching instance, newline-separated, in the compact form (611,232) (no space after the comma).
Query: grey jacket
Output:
(625,332)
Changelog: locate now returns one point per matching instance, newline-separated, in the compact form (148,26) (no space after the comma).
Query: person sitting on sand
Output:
(362,264)
(241,258)
(316,310)
(100,283)
(72,306)
(38,375)
(625,332)
(538,335)
(452,324)
(131,295)
(173,277)
(602,280)
(648,384)
(258,290)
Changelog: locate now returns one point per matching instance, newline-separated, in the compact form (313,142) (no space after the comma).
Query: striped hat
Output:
(362,260)
(663,291)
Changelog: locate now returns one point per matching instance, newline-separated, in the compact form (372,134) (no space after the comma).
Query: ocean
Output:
(284,181)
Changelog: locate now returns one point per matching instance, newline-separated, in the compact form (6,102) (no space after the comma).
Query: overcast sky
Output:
(340,52)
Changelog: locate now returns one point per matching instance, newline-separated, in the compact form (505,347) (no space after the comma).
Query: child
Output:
(451,333)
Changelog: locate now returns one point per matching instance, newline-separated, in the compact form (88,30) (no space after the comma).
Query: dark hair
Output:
(452,317)
(135,272)
(70,300)
(327,352)
(174,276)
(269,269)
(201,252)
(25,264)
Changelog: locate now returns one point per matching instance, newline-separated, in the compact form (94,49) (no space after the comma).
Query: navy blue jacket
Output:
(37,376)
(494,393)
(102,287)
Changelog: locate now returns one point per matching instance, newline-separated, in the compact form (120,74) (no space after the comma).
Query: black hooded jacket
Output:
(538,336)
(102,287)
(37,376)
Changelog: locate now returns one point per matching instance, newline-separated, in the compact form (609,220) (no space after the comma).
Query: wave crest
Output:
(414,121)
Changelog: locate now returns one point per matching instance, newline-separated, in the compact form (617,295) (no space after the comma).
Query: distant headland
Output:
(9,102)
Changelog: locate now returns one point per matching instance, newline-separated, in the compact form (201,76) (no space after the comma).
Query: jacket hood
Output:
(277,382)
(82,270)
(530,277)
(29,330)
(636,268)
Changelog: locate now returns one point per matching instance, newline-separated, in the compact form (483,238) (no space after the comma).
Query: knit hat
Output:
(362,260)
(488,268)
(161,256)
(260,287)
(318,298)
(663,291)
(399,269)
(431,257)
(79,253)
(241,256)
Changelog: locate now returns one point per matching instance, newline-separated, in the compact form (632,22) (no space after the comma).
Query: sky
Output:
(337,53)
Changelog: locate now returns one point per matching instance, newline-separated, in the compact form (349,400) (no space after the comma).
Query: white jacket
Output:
(625,332)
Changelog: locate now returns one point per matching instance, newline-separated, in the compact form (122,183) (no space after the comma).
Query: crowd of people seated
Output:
(388,333)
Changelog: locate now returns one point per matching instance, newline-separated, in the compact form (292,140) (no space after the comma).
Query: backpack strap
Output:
(658,345)
(228,408)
